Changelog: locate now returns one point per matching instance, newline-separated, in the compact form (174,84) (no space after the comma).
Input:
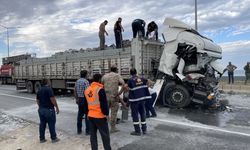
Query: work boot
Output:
(55,140)
(43,141)
(87,133)
(79,132)
(135,133)
(153,116)
(114,129)
(118,120)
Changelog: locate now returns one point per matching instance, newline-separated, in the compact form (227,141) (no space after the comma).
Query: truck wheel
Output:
(176,96)
(30,87)
(4,81)
(37,86)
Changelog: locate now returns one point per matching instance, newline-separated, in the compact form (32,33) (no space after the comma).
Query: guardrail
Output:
(238,86)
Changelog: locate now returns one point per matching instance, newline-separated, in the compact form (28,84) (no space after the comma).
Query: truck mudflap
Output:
(20,84)
(157,87)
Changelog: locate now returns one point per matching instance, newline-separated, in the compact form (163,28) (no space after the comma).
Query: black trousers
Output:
(230,77)
(138,108)
(100,124)
(80,116)
(118,39)
(136,28)
(247,77)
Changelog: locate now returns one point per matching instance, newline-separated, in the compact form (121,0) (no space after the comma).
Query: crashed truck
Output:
(188,70)
(183,66)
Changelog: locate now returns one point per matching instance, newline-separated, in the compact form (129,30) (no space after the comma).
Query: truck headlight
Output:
(210,96)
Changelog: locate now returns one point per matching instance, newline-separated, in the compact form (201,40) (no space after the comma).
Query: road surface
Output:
(191,128)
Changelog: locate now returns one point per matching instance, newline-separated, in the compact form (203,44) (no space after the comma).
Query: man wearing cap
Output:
(111,83)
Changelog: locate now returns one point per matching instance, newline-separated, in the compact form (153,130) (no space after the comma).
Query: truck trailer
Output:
(184,66)
(63,68)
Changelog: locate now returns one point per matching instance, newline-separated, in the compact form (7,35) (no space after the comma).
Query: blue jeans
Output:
(80,116)
(47,116)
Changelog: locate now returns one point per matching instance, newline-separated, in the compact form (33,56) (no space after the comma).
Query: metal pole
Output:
(196,24)
(8,42)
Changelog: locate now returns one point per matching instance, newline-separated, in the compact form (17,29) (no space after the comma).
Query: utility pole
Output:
(196,24)
(8,40)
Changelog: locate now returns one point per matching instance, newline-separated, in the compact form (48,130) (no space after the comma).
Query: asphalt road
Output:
(180,129)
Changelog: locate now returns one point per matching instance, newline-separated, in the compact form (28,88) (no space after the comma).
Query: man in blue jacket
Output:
(138,94)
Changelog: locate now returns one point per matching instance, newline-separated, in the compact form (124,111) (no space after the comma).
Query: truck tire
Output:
(37,86)
(176,96)
(30,87)
(4,81)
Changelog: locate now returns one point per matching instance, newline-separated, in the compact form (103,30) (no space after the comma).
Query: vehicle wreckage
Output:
(188,70)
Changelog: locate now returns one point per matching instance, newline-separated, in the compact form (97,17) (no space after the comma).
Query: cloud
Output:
(237,52)
(236,46)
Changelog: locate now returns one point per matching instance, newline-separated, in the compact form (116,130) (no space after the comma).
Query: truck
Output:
(184,66)
(6,74)
(7,69)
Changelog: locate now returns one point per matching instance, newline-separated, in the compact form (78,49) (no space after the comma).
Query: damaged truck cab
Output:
(188,70)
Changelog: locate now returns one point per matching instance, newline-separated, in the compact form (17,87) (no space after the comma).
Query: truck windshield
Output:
(197,33)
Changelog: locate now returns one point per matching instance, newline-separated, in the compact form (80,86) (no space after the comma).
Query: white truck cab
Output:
(188,66)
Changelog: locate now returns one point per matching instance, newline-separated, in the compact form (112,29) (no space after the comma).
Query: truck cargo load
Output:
(63,68)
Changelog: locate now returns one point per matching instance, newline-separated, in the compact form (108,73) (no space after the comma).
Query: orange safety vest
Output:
(91,94)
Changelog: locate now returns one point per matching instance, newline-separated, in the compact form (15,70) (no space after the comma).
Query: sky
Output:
(48,26)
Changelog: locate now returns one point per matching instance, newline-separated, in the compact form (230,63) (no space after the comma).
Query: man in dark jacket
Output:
(46,102)
(138,94)
(118,29)
(138,27)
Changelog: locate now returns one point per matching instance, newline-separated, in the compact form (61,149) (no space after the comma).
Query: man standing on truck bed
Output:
(152,26)
(111,83)
(102,32)
(138,27)
(80,86)
(46,102)
(118,29)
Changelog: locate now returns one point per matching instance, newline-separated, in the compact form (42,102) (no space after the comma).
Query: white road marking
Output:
(2,88)
(18,97)
(205,127)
